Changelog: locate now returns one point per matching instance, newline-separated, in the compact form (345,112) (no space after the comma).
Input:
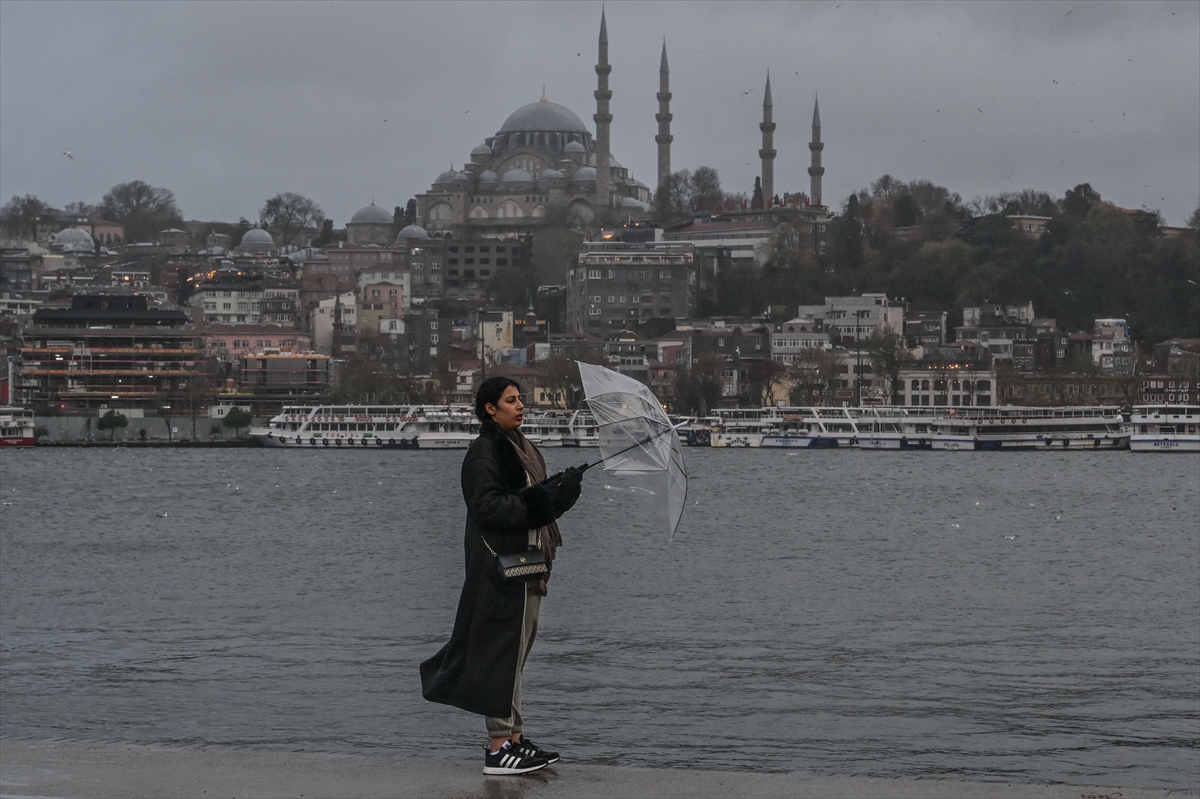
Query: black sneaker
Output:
(533,750)
(511,760)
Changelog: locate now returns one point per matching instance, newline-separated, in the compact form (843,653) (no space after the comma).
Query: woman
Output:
(511,506)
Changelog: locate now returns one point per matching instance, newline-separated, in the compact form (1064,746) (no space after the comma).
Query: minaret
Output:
(603,119)
(815,147)
(767,153)
(664,137)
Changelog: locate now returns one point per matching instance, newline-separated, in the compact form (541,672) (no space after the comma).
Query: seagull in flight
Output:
(67,153)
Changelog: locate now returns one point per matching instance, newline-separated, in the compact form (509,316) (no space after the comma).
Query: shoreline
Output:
(50,768)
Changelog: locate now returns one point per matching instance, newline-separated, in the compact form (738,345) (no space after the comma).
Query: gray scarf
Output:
(535,467)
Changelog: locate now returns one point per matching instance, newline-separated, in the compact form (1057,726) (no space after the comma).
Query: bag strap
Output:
(538,544)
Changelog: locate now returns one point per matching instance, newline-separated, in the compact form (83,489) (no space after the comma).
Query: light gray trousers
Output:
(504,728)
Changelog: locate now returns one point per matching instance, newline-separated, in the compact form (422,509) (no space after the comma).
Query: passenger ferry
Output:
(826,428)
(374,426)
(560,428)
(1165,428)
(16,427)
(742,427)
(1009,427)
(894,427)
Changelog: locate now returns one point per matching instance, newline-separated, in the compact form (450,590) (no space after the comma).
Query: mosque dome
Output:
(585,173)
(517,176)
(631,202)
(371,215)
(74,238)
(550,174)
(488,176)
(482,149)
(411,232)
(543,115)
(448,176)
(574,147)
(257,236)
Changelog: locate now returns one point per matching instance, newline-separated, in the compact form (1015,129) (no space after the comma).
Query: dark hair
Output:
(490,391)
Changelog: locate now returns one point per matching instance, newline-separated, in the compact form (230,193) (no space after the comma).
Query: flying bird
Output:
(980,110)
(1052,80)
(67,154)
(1067,14)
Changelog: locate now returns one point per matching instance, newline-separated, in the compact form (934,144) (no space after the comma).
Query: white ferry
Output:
(894,427)
(377,426)
(16,427)
(1165,428)
(1010,427)
(559,428)
(742,427)
(825,428)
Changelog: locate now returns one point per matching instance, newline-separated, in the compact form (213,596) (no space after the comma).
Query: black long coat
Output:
(476,670)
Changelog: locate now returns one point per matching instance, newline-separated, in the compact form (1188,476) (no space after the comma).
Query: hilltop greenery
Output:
(922,243)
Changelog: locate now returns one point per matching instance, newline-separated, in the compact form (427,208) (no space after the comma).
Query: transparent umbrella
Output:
(639,445)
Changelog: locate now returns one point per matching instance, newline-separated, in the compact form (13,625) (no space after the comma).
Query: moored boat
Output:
(16,427)
(1164,428)
(371,426)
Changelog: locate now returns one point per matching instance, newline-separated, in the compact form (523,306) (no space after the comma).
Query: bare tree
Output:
(763,376)
(888,353)
(674,199)
(289,213)
(143,209)
(706,194)
(814,374)
(22,214)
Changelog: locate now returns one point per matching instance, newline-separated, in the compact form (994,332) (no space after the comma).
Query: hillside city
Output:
(543,250)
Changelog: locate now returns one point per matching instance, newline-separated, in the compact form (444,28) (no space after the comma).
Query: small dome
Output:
(411,232)
(542,116)
(630,202)
(371,215)
(488,176)
(550,174)
(517,176)
(585,173)
(482,149)
(446,177)
(257,236)
(574,147)
(74,238)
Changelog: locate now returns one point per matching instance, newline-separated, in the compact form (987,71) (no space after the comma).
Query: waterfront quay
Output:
(65,768)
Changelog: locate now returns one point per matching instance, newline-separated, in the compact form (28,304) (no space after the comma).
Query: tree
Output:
(162,406)
(848,246)
(198,395)
(674,198)
(762,378)
(708,375)
(111,421)
(706,194)
(905,212)
(142,208)
(80,208)
(814,373)
(1079,200)
(289,213)
(556,375)
(237,418)
(1194,220)
(888,354)
(22,213)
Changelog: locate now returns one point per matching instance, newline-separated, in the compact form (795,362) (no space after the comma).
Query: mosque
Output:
(543,166)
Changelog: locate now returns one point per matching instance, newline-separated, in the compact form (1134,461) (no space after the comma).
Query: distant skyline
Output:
(228,104)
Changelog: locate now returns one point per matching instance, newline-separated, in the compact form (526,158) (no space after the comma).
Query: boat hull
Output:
(1145,442)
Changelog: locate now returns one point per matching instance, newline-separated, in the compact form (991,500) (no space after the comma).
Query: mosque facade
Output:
(543,166)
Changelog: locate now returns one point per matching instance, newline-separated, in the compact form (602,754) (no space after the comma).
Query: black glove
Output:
(569,478)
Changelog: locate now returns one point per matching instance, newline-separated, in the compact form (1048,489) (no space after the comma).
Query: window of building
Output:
(433,338)
(593,274)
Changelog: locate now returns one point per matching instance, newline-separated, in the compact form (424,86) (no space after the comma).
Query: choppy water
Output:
(835,612)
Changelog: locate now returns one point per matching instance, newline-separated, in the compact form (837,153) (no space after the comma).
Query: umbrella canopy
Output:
(638,442)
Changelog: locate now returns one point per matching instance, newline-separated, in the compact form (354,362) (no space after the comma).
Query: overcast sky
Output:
(227,104)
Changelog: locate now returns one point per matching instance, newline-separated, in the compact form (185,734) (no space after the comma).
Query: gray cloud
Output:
(227,104)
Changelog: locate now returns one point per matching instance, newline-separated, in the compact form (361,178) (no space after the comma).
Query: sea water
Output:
(1028,617)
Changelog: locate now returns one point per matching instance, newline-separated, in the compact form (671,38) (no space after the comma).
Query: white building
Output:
(947,385)
(229,303)
(849,319)
(793,336)
(1112,346)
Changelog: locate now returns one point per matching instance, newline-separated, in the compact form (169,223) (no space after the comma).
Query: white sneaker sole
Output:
(502,771)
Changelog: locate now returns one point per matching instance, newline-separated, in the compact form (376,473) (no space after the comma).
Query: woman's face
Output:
(510,411)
